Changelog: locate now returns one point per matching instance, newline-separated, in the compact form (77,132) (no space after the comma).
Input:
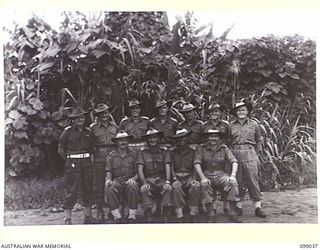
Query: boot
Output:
(211,213)
(260,213)
(90,220)
(234,219)
(67,221)
(148,215)
(100,216)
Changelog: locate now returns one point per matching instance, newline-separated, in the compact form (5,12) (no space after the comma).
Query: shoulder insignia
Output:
(254,120)
(153,119)
(192,147)
(93,124)
(145,118)
(88,129)
(173,120)
(124,119)
(67,128)
(164,148)
(224,121)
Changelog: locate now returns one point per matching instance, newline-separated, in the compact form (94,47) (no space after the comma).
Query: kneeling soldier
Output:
(154,172)
(182,170)
(76,147)
(210,163)
(121,178)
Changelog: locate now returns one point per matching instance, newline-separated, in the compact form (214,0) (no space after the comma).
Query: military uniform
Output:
(182,165)
(197,130)
(168,128)
(213,163)
(103,145)
(77,146)
(243,139)
(122,167)
(153,161)
(135,128)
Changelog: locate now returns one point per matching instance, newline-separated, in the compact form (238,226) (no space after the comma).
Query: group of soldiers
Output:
(173,169)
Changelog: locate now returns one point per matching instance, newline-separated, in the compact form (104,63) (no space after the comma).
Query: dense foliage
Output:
(113,56)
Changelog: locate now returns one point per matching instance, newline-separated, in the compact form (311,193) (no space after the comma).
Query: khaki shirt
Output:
(169,127)
(247,133)
(72,141)
(122,166)
(196,127)
(135,128)
(182,161)
(153,161)
(222,126)
(214,159)
(103,133)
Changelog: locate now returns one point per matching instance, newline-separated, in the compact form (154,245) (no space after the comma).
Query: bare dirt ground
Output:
(288,206)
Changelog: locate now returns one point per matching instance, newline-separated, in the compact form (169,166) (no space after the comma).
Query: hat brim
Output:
(248,105)
(160,134)
(184,134)
(137,104)
(129,138)
(187,110)
(100,111)
(78,115)
(208,110)
(169,104)
(221,134)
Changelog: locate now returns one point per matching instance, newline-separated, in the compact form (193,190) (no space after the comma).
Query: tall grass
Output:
(33,193)
(289,146)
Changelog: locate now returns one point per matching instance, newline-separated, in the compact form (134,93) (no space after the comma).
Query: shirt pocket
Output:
(143,126)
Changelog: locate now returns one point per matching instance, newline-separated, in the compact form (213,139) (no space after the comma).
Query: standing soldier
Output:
(215,122)
(76,147)
(154,173)
(191,124)
(184,184)
(135,125)
(210,162)
(245,139)
(103,130)
(163,122)
(121,178)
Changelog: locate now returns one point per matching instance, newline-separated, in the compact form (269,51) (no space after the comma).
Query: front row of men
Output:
(181,178)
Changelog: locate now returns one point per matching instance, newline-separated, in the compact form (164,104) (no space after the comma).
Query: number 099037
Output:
(308,245)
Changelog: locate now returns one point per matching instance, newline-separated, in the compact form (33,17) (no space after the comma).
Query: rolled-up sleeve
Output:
(198,156)
(108,164)
(229,155)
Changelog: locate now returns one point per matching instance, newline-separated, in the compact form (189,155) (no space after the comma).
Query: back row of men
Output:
(162,164)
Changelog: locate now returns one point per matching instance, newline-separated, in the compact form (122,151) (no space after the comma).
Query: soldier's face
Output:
(189,115)
(163,110)
(182,142)
(123,143)
(214,114)
(213,139)
(135,111)
(104,116)
(153,140)
(242,112)
(79,121)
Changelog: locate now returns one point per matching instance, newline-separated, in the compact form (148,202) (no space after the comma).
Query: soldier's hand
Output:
(233,179)
(167,186)
(108,183)
(176,184)
(195,183)
(145,188)
(205,182)
(131,182)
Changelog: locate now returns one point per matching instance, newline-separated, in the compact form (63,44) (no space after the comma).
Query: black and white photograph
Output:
(159,117)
